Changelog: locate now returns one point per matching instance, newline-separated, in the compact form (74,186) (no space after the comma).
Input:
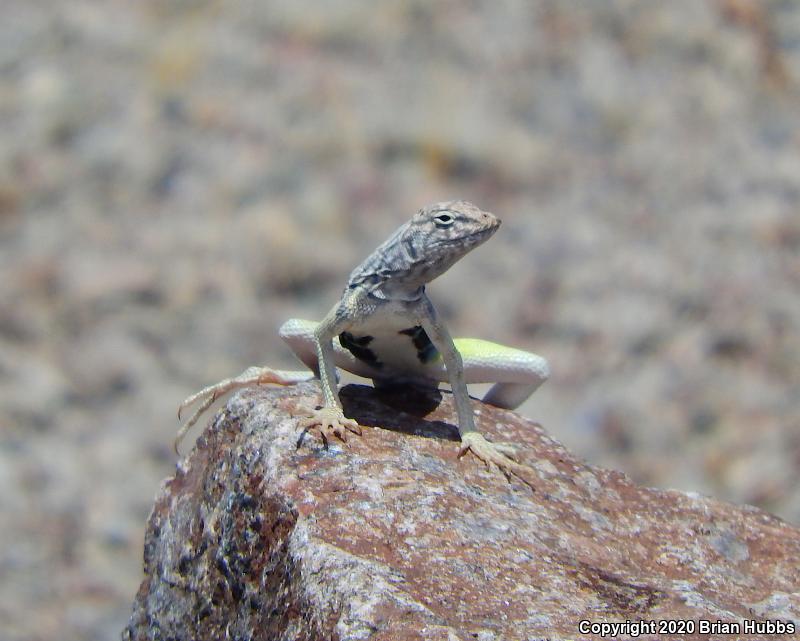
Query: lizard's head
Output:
(425,247)
(442,233)
(456,224)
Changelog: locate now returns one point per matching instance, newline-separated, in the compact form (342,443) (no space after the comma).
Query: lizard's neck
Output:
(393,290)
(400,268)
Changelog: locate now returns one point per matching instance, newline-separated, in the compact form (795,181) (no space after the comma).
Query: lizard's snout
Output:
(491,220)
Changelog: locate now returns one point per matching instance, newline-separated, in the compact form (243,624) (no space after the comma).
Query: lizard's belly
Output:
(394,347)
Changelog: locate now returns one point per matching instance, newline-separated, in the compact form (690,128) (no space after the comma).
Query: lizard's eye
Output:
(444,220)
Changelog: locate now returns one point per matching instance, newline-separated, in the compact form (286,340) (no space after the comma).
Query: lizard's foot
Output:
(251,376)
(331,422)
(503,455)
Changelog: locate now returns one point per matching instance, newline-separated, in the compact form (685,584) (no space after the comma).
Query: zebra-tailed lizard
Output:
(386,328)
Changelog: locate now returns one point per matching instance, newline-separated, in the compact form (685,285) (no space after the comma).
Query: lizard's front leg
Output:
(501,455)
(330,419)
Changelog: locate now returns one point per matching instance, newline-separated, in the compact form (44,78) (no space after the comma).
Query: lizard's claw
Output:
(331,422)
(503,455)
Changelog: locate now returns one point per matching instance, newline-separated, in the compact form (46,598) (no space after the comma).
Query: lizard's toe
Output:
(191,400)
(503,456)
(508,450)
(307,417)
(351,425)
(330,422)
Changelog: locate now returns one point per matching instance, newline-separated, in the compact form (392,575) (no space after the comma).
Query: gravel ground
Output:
(177,178)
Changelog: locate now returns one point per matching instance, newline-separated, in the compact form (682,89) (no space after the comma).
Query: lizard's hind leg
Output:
(516,374)
(251,376)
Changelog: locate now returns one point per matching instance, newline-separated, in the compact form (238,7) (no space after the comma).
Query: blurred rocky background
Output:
(177,178)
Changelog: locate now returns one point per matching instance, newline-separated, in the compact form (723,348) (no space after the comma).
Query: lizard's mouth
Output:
(480,235)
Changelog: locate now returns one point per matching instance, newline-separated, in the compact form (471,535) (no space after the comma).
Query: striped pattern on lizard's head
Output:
(425,247)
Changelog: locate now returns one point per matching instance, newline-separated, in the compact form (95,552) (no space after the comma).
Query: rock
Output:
(263,533)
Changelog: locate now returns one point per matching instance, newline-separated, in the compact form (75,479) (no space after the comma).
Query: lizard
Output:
(385,328)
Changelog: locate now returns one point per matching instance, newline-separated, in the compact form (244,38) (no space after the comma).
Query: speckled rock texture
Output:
(263,533)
